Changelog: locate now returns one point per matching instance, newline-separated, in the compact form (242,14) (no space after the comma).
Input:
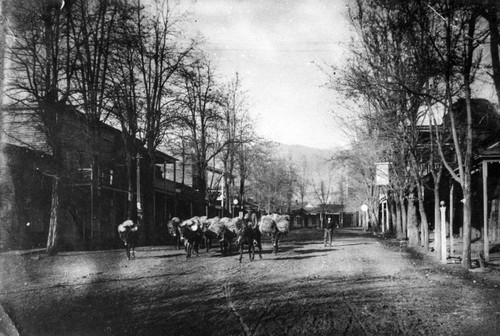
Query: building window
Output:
(86,174)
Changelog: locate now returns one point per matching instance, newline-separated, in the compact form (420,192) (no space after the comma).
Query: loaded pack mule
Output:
(275,226)
(173,227)
(249,235)
(217,229)
(192,234)
(128,232)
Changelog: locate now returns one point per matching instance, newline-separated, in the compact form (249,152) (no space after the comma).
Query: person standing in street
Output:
(328,232)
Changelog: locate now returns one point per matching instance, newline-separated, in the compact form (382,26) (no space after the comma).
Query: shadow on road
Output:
(299,257)
(302,243)
(321,250)
(166,256)
(351,244)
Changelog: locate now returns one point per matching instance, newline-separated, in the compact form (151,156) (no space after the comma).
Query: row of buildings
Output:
(485,177)
(94,202)
(92,206)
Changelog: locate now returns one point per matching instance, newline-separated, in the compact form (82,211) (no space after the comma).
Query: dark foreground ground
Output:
(360,286)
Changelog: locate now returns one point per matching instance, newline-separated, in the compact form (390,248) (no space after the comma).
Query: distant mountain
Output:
(315,161)
(315,164)
(299,149)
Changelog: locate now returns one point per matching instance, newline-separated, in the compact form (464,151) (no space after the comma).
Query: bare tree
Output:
(6,181)
(93,28)
(249,157)
(323,193)
(490,12)
(273,184)
(200,104)
(125,94)
(397,69)
(303,181)
(458,55)
(237,135)
(42,66)
(148,55)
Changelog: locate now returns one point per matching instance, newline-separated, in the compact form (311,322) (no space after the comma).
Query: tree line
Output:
(416,65)
(129,63)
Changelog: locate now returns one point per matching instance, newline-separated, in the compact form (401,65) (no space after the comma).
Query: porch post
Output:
(387,214)
(382,222)
(485,212)
(452,189)
(444,253)
(138,186)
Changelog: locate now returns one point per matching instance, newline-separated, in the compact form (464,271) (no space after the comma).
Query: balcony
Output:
(164,185)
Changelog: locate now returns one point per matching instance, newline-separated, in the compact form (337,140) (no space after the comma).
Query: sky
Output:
(277,47)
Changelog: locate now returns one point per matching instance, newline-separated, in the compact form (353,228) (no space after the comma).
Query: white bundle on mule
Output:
(235,224)
(283,223)
(215,225)
(267,224)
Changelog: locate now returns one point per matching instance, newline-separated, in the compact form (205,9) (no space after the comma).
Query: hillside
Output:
(317,160)
(311,162)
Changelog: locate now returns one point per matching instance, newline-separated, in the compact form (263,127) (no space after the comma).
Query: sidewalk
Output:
(477,246)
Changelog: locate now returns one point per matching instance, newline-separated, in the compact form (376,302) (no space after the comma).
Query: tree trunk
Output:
(374,220)
(242,190)
(424,224)
(130,185)
(404,217)
(467,216)
(399,222)
(494,44)
(466,254)
(413,236)
(95,221)
(6,184)
(148,205)
(466,170)
(3,44)
(437,222)
(394,218)
(365,220)
(54,218)
(202,189)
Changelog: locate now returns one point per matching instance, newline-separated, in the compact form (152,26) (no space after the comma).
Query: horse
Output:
(174,231)
(128,234)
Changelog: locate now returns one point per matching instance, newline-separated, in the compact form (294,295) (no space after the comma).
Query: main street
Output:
(359,286)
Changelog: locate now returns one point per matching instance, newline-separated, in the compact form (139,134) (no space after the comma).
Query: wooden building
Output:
(306,215)
(93,203)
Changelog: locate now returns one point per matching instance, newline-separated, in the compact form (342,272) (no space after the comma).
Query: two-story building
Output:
(94,200)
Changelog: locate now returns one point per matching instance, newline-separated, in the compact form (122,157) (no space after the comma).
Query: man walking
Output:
(328,232)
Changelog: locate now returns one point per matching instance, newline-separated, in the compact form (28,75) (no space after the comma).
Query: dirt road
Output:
(360,286)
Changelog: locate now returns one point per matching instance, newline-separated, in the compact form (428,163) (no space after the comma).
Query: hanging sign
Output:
(382,173)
